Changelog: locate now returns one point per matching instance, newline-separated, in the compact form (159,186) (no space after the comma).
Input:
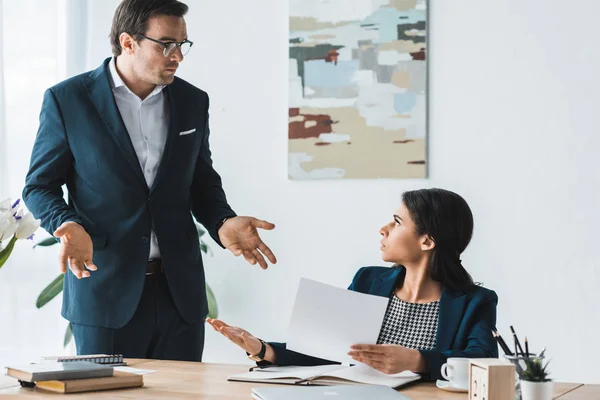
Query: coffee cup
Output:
(456,371)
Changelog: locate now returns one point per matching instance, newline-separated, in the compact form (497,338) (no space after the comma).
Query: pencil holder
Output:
(519,362)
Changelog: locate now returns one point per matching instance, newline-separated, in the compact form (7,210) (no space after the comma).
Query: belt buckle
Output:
(156,267)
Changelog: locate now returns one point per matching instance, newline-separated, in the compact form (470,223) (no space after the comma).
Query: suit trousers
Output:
(155,331)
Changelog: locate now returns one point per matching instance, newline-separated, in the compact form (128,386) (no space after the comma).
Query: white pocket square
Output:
(187,132)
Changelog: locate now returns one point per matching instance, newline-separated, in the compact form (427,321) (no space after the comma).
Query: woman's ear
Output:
(427,243)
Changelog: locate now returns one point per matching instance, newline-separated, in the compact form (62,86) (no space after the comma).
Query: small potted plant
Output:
(535,384)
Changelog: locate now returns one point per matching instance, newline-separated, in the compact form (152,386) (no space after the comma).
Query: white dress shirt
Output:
(147,124)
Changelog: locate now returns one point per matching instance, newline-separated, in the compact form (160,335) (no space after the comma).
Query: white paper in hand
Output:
(327,320)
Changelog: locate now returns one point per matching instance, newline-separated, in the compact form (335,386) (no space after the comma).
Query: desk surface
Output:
(179,380)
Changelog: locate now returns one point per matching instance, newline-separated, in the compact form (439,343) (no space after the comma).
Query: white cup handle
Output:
(444,371)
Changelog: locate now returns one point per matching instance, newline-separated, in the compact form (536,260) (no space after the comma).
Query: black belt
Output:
(154,267)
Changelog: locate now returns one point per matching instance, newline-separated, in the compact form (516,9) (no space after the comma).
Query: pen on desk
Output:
(259,367)
(517,343)
(526,347)
(503,344)
(303,381)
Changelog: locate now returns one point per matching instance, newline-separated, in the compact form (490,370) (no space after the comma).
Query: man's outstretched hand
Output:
(240,236)
(76,249)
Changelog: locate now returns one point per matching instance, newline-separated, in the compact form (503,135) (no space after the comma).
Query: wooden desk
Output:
(182,380)
(583,392)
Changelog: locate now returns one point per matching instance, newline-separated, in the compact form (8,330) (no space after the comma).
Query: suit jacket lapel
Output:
(385,285)
(172,135)
(452,305)
(99,90)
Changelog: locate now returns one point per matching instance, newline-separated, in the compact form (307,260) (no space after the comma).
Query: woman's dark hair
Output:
(447,219)
(132,17)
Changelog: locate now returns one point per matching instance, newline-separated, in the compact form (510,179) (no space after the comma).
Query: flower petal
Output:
(27,225)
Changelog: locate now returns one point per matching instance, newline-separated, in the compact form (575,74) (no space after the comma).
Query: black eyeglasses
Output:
(169,47)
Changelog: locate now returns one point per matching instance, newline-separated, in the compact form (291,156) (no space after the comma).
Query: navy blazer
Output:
(465,323)
(82,142)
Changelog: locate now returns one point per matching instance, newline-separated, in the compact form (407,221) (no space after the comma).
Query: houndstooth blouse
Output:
(412,325)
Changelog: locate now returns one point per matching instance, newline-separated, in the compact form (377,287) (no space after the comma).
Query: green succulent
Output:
(535,371)
(56,286)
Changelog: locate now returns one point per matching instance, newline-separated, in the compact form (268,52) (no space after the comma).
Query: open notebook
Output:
(326,375)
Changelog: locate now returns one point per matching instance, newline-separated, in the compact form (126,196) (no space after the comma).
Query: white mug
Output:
(456,371)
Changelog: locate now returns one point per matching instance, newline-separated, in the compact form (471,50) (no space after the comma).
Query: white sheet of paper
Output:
(327,320)
(364,373)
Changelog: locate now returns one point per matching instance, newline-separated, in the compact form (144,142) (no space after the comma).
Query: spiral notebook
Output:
(105,359)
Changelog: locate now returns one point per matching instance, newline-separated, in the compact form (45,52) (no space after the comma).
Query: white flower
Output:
(8,224)
(26,226)
(14,221)
(5,205)
(14,224)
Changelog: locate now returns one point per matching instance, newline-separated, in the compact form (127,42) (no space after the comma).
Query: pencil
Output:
(503,344)
(517,344)
(494,334)
(526,347)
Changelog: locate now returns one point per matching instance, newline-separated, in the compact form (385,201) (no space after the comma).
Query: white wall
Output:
(26,332)
(514,95)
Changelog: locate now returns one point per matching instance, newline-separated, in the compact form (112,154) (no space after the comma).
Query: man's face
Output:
(149,62)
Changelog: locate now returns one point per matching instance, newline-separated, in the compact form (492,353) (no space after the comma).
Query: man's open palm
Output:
(240,236)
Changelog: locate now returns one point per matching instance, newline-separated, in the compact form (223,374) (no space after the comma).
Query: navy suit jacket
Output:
(82,142)
(465,321)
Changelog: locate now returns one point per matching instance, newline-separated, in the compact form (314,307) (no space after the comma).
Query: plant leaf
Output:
(50,291)
(535,370)
(68,335)
(47,242)
(205,249)
(7,250)
(213,310)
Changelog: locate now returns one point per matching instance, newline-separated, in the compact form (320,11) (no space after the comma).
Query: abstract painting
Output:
(357,89)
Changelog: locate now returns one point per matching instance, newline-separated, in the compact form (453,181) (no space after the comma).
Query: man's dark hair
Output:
(132,17)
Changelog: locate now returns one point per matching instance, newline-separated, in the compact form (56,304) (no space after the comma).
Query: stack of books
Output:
(73,376)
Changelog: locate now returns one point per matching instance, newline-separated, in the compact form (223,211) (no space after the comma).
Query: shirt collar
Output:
(117,82)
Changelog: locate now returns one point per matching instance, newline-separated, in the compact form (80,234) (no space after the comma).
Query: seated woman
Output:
(435,310)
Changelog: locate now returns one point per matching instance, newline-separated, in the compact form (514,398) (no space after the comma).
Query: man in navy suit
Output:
(130,141)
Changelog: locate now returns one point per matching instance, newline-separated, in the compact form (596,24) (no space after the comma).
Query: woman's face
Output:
(400,243)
